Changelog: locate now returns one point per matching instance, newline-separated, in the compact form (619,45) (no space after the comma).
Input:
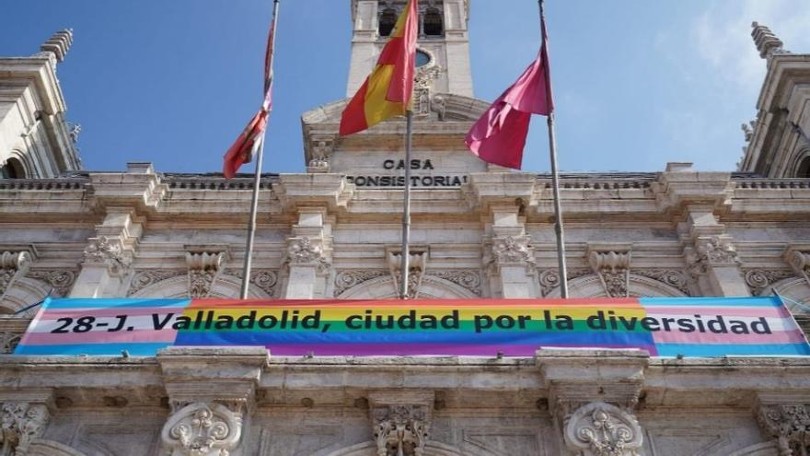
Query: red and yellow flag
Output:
(388,89)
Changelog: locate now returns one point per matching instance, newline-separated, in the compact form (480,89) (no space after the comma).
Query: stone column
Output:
(212,394)
(309,255)
(592,396)
(25,415)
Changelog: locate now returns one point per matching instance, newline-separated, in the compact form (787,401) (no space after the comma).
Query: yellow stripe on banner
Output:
(376,107)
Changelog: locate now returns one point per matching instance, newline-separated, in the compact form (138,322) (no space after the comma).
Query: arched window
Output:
(803,171)
(13,169)
(433,22)
(388,19)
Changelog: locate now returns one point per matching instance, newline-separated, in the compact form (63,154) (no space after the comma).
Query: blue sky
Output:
(637,83)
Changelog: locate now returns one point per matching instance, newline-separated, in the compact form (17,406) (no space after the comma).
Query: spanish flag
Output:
(388,90)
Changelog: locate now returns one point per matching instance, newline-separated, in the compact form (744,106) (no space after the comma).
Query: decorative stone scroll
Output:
(265,280)
(201,429)
(400,430)
(470,280)
(12,265)
(203,270)
(109,251)
(22,422)
(672,277)
(789,424)
(613,268)
(601,429)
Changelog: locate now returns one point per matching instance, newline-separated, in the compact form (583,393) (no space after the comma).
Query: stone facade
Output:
(478,231)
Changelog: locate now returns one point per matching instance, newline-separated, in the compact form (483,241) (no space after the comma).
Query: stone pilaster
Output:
(592,397)
(24,416)
(695,199)
(212,392)
(309,255)
(109,254)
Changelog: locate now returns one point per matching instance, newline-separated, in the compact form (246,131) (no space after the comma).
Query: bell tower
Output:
(443,54)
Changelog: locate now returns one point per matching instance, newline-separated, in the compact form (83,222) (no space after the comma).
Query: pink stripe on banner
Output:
(772,312)
(99,337)
(103,313)
(777,337)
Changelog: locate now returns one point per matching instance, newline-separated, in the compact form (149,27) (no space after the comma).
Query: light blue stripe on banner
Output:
(713,351)
(767,301)
(89,303)
(145,349)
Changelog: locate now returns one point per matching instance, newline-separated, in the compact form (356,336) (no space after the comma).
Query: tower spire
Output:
(767,42)
(58,44)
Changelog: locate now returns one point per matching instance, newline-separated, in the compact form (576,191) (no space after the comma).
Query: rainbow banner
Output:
(697,327)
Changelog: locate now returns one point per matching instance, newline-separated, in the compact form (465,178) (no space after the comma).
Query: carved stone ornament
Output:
(109,251)
(549,280)
(768,44)
(61,281)
(322,149)
(22,423)
(716,251)
(346,280)
(512,249)
(11,264)
(674,278)
(789,424)
(439,106)
(301,251)
(203,270)
(266,280)
(600,429)
(799,261)
(8,342)
(400,430)
(470,280)
(149,277)
(613,268)
(417,261)
(201,429)
(760,279)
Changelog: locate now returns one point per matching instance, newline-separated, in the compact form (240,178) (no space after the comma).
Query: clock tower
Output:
(443,56)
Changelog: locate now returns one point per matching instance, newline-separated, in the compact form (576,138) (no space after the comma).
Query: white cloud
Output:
(722,35)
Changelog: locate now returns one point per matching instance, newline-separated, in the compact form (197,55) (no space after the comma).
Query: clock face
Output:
(422,58)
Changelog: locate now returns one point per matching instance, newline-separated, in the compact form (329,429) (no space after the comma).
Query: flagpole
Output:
(406,213)
(257,178)
(555,179)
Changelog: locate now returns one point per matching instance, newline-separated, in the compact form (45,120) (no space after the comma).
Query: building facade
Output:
(478,231)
